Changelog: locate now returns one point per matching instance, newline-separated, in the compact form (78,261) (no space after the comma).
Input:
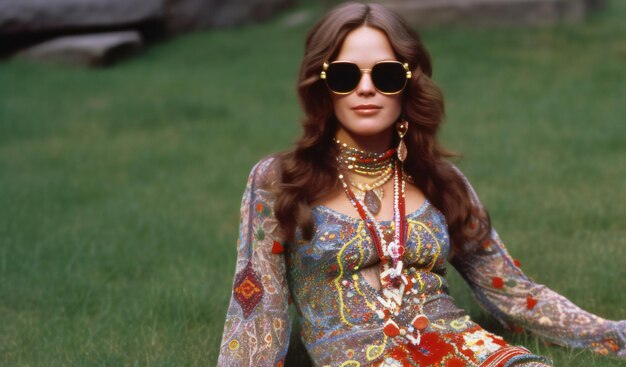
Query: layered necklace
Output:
(378,167)
(392,279)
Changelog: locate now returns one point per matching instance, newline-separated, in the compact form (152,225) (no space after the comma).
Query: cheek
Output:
(396,104)
(394,107)
(340,105)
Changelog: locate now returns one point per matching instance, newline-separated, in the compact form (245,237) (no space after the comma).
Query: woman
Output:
(355,223)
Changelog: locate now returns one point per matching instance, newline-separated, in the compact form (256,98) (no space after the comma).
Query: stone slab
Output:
(189,15)
(45,16)
(489,12)
(88,50)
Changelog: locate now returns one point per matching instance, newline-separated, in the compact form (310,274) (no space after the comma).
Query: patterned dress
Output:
(337,305)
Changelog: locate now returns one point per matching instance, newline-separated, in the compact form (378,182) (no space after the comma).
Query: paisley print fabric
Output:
(337,305)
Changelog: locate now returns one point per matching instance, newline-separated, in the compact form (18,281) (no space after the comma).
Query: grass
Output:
(120,187)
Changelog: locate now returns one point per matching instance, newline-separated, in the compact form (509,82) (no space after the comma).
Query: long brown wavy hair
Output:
(309,171)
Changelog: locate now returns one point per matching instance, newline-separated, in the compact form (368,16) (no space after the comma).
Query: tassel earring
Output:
(402,127)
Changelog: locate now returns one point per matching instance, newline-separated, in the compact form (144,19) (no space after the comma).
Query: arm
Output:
(257,328)
(515,300)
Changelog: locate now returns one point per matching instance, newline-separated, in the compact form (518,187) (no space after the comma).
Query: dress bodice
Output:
(336,303)
(337,306)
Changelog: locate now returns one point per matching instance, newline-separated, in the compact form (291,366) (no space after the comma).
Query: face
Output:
(366,113)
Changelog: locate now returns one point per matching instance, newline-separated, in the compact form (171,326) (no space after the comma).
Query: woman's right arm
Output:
(257,328)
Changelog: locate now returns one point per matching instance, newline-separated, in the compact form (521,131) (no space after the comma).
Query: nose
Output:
(365,86)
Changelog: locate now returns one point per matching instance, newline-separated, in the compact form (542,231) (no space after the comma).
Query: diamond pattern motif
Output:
(248,290)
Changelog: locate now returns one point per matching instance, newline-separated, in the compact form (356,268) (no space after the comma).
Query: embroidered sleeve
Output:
(257,328)
(503,290)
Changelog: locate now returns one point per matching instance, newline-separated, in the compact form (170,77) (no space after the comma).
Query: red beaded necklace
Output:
(386,251)
(392,280)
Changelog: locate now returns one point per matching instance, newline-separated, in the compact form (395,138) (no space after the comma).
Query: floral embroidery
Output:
(480,343)
(454,362)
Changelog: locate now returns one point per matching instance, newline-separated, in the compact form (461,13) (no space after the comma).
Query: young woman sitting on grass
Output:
(356,223)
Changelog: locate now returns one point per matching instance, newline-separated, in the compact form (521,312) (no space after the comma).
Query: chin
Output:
(368,129)
(369,132)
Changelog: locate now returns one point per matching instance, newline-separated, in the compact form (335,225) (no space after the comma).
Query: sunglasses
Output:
(342,77)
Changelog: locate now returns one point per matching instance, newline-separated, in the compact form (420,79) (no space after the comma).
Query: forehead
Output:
(366,46)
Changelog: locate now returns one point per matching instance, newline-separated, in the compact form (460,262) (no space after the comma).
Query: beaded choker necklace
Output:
(392,279)
(378,166)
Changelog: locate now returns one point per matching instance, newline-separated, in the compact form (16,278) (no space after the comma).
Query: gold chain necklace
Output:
(378,166)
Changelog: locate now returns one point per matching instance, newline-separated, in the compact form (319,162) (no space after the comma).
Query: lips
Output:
(366,107)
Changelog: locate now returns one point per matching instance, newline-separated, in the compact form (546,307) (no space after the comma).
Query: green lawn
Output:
(120,188)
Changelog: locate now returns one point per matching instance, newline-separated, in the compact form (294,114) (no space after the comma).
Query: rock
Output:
(297,19)
(595,4)
(490,12)
(97,49)
(45,16)
(26,22)
(186,15)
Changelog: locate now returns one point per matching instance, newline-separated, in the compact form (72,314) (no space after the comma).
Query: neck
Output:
(378,143)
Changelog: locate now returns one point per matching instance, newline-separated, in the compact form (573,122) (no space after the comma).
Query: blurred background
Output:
(128,129)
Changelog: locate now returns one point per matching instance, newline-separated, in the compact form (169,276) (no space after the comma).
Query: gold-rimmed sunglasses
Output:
(389,77)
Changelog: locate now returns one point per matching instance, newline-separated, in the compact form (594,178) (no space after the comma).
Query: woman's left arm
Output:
(515,300)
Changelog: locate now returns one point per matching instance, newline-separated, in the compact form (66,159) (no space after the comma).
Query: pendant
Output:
(420,322)
(372,202)
(402,153)
(391,329)
(394,294)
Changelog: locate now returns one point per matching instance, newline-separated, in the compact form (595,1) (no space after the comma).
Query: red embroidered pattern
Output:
(502,356)
(531,302)
(497,282)
(248,290)
(277,248)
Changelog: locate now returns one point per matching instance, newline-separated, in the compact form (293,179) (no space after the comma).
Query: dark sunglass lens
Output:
(343,77)
(389,77)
